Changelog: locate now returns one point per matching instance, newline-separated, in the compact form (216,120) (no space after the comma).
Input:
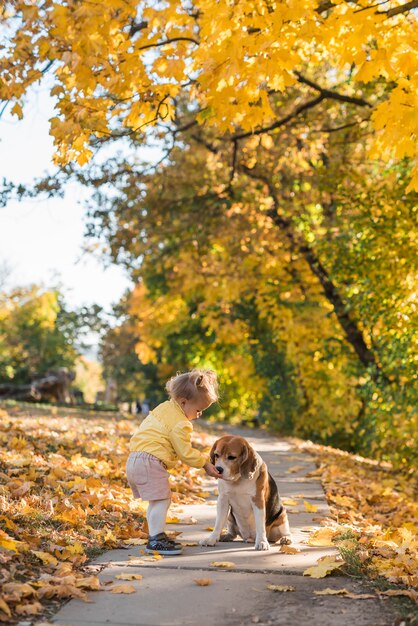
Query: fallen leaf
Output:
(203,582)
(129,576)
(223,564)
(409,593)
(289,549)
(5,608)
(9,543)
(90,582)
(324,567)
(46,558)
(135,542)
(280,588)
(123,589)
(311,508)
(295,468)
(28,609)
(290,502)
(331,592)
(322,537)
(360,596)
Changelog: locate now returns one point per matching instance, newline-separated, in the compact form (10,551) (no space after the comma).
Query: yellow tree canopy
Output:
(122,65)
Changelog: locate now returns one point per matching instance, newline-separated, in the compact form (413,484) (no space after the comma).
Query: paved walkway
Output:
(168,596)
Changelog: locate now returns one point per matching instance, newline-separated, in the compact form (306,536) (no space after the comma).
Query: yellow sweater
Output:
(166,433)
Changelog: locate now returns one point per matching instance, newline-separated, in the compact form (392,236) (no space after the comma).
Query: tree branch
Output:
(403,8)
(334,95)
(284,120)
(163,43)
(351,328)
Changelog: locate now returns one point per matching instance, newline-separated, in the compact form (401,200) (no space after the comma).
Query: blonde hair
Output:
(193,385)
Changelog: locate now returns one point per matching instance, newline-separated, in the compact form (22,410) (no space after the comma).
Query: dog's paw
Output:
(227,537)
(262,545)
(285,540)
(209,541)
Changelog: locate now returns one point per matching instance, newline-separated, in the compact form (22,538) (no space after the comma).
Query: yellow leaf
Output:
(45,557)
(135,542)
(17,110)
(28,609)
(324,566)
(123,589)
(9,543)
(172,520)
(18,590)
(289,549)
(203,582)
(129,577)
(322,537)
(223,564)
(89,582)
(75,548)
(289,502)
(280,588)
(5,608)
(331,592)
(311,508)
(409,593)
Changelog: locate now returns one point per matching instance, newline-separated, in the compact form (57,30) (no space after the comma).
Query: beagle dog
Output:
(248,493)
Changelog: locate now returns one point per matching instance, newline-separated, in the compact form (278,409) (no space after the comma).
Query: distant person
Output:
(138,408)
(163,438)
(145,408)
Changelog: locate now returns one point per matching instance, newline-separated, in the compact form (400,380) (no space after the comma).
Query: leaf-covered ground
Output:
(374,517)
(63,498)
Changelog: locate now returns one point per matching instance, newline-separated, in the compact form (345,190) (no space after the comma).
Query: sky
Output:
(41,240)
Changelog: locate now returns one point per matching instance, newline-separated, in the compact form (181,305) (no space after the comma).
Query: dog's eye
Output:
(216,454)
(231,458)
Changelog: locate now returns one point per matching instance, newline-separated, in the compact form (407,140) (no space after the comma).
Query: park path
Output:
(168,596)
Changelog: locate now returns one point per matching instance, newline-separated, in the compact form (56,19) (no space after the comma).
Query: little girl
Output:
(163,438)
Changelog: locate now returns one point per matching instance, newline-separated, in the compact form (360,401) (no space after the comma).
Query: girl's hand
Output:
(211,470)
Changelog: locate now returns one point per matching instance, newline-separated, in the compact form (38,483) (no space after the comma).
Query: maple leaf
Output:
(289,502)
(32,608)
(4,607)
(126,576)
(203,582)
(324,566)
(123,589)
(322,537)
(331,592)
(289,549)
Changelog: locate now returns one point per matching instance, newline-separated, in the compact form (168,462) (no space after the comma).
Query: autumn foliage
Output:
(120,65)
(274,238)
(374,515)
(63,499)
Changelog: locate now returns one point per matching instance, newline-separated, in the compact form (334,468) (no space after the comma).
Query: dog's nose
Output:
(219,468)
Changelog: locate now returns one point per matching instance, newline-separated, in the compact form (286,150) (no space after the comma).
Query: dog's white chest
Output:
(240,498)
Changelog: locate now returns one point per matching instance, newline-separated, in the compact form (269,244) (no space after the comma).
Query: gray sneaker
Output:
(163,545)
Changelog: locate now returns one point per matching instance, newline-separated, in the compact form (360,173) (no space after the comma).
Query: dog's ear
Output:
(212,452)
(249,462)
